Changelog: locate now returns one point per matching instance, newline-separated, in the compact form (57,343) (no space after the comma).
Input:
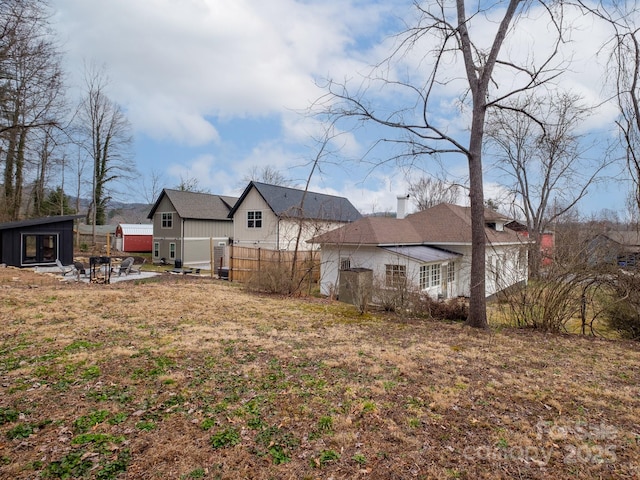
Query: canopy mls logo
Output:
(577,443)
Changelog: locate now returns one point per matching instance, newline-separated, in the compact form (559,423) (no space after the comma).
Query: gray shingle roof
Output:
(197,206)
(442,224)
(286,201)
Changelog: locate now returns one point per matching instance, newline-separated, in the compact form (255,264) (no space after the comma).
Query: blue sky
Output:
(214,88)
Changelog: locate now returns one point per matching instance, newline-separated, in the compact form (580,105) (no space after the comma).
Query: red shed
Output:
(134,237)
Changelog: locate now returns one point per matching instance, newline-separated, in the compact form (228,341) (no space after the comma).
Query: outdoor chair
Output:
(136,268)
(64,269)
(79,268)
(125,266)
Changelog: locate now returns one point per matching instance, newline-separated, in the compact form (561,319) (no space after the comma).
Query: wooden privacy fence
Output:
(246,262)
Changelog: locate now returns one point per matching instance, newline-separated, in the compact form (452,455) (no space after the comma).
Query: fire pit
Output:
(100,269)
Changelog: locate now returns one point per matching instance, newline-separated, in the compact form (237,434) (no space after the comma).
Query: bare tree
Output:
(428,192)
(624,67)
(447,32)
(152,186)
(106,137)
(31,93)
(190,184)
(543,159)
(267,174)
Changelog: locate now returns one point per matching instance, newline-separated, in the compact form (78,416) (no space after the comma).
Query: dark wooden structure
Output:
(37,241)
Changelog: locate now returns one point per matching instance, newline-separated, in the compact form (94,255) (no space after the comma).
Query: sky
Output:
(216,88)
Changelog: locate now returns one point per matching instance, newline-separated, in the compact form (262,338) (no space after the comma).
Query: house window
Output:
(430,275)
(156,249)
(39,249)
(345,263)
(435,275)
(451,272)
(396,275)
(172,250)
(424,277)
(254,219)
(167,220)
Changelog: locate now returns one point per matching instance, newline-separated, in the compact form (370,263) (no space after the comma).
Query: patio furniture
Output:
(136,268)
(64,269)
(125,266)
(79,268)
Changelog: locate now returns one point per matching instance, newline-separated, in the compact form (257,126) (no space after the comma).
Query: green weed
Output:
(208,423)
(84,423)
(225,438)
(359,459)
(8,415)
(277,444)
(72,465)
(145,425)
(23,430)
(111,470)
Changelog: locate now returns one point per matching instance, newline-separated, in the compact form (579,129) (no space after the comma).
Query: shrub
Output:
(545,304)
(456,309)
(622,310)
(275,278)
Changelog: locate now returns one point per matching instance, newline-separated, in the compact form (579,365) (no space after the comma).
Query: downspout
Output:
(182,241)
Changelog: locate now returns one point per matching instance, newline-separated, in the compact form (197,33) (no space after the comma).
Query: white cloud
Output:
(216,58)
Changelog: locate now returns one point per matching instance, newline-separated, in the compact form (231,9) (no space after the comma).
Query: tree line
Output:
(43,135)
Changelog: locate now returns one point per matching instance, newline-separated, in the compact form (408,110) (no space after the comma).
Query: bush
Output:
(275,278)
(624,318)
(455,309)
(404,298)
(622,311)
(546,304)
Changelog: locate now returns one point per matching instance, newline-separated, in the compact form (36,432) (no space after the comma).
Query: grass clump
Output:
(227,437)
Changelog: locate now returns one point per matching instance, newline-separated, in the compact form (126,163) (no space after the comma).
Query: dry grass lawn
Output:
(186,378)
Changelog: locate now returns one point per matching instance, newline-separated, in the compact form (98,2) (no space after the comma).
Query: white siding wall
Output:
(289,231)
(374,258)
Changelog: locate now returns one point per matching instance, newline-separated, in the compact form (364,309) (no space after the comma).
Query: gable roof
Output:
(136,228)
(286,201)
(442,224)
(196,206)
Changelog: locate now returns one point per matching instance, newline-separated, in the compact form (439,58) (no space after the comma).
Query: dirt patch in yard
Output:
(184,377)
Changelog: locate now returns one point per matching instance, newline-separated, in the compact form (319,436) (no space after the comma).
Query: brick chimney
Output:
(403,201)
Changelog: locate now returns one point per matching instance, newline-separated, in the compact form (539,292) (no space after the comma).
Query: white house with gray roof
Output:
(429,250)
(270,216)
(186,224)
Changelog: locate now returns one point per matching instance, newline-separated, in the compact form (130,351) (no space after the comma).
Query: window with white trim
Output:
(156,249)
(396,275)
(345,263)
(430,275)
(435,275)
(254,219)
(424,277)
(172,250)
(451,272)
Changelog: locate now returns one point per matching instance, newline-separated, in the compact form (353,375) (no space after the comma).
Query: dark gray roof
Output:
(197,206)
(286,201)
(38,221)
(423,253)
